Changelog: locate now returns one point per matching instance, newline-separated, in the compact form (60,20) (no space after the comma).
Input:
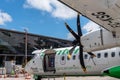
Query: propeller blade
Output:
(92,60)
(71,51)
(91,54)
(80,45)
(79,26)
(76,42)
(81,58)
(72,32)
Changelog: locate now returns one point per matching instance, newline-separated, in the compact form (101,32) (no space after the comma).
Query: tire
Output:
(38,78)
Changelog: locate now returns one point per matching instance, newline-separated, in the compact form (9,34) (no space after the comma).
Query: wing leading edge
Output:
(104,12)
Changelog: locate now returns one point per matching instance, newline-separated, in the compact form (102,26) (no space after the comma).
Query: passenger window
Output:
(33,61)
(106,55)
(85,56)
(113,54)
(95,43)
(74,57)
(98,55)
(63,58)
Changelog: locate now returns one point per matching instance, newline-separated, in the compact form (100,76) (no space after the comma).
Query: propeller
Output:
(77,42)
(92,60)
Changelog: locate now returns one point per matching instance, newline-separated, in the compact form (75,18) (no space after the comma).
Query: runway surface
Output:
(67,78)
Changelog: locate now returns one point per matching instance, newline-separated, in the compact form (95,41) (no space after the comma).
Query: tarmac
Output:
(62,78)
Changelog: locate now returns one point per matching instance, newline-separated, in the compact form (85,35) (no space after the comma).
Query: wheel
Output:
(36,77)
(39,78)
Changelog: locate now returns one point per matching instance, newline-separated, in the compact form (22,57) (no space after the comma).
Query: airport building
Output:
(13,45)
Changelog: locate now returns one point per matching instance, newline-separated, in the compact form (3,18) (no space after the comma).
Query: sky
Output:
(42,17)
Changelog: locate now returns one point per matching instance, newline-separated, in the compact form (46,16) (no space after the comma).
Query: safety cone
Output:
(0,76)
(25,73)
(5,76)
(28,76)
(16,76)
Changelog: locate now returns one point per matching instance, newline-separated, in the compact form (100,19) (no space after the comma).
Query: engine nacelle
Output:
(100,39)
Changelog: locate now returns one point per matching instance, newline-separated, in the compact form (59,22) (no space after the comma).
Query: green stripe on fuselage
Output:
(66,51)
(63,52)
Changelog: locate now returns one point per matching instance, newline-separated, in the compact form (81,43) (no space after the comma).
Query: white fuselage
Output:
(99,40)
(71,67)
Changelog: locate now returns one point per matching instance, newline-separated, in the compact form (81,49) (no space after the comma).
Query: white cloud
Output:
(91,26)
(61,11)
(39,4)
(4,17)
(70,36)
(54,7)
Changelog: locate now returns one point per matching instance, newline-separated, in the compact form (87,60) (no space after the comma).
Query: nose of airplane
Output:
(27,68)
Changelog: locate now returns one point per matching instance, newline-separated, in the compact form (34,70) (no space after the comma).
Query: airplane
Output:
(55,63)
(68,61)
(104,13)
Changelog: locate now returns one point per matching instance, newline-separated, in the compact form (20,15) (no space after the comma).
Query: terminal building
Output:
(12,45)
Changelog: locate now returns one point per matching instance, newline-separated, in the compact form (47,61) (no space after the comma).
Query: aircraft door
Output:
(49,61)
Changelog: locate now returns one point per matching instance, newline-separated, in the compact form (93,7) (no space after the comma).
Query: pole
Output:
(25,46)
(64,76)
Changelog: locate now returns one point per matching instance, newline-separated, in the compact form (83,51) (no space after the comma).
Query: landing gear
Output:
(39,78)
(36,77)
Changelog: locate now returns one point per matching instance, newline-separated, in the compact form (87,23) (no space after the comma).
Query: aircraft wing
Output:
(104,12)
